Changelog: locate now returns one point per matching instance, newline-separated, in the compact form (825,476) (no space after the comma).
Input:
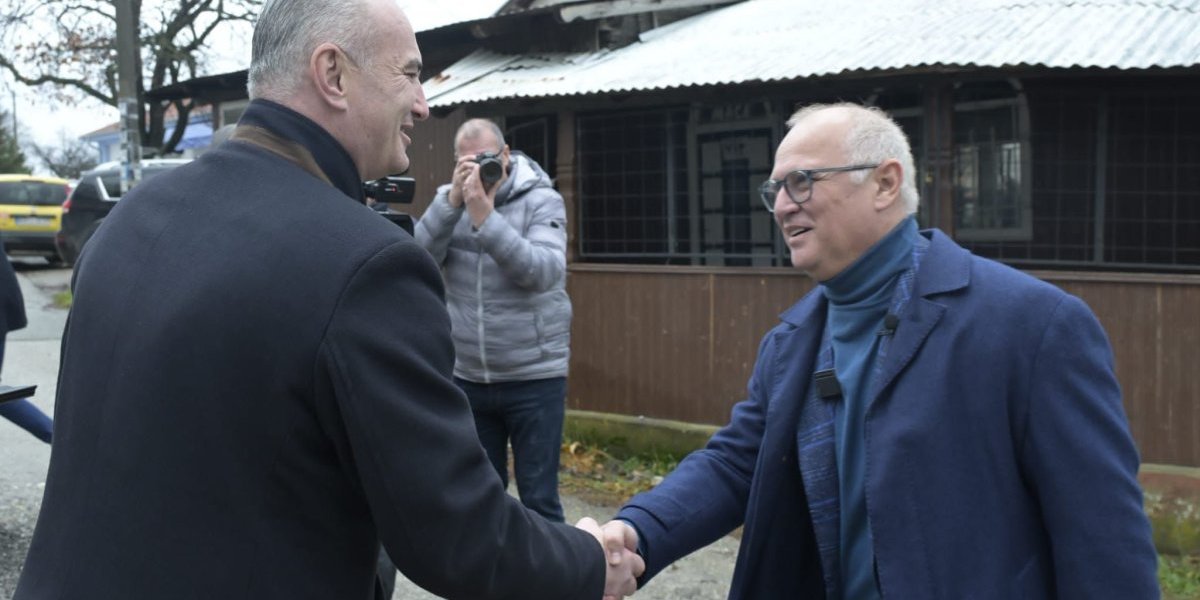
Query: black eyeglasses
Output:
(799,184)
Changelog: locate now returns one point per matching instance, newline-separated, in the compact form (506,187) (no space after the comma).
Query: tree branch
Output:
(56,80)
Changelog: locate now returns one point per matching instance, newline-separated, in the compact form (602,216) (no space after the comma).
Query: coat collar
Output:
(945,268)
(329,154)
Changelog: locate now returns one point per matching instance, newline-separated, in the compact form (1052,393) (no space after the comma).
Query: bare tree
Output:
(69,159)
(71,45)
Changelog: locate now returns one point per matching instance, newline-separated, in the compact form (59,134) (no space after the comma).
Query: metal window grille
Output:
(632,180)
(1115,182)
(641,203)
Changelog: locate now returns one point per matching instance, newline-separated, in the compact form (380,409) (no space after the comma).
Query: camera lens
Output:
(490,170)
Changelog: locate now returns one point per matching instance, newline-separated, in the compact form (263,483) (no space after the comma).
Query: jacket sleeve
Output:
(705,497)
(537,259)
(434,229)
(1081,463)
(439,507)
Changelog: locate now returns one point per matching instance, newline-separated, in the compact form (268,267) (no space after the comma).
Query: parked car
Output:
(31,212)
(95,195)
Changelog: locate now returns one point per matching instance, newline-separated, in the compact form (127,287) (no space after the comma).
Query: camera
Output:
(387,190)
(491,169)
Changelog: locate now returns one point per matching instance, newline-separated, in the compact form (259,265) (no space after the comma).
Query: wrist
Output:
(479,215)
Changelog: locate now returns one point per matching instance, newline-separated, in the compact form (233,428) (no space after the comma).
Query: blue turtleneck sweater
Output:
(859,298)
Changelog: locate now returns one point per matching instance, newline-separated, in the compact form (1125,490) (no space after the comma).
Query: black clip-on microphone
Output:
(890,323)
(828,387)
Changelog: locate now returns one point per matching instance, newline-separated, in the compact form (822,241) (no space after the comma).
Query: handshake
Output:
(620,542)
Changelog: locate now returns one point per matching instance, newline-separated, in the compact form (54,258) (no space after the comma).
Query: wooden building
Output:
(1062,138)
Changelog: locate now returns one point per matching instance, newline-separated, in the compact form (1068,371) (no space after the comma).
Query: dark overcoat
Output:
(256,390)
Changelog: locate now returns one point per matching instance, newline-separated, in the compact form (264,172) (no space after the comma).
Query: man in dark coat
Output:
(256,386)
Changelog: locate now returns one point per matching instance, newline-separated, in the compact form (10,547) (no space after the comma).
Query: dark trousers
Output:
(529,414)
(24,414)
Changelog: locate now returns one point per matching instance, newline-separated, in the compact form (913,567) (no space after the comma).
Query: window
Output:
(991,196)
(534,137)
(677,186)
(33,193)
(633,186)
(1116,183)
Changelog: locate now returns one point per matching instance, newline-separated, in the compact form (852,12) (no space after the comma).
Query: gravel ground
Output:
(32,357)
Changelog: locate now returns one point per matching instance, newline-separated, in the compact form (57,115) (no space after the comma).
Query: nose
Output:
(784,204)
(420,109)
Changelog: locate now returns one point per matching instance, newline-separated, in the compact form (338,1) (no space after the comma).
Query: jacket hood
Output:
(524,175)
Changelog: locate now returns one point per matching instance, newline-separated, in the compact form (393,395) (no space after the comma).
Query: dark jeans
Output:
(24,414)
(530,415)
(29,417)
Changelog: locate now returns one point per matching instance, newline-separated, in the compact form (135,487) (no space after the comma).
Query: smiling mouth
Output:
(798,231)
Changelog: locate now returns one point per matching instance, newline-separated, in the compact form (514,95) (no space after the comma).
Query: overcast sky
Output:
(45,121)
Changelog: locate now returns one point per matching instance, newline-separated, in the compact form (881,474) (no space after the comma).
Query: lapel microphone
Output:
(827,384)
(890,323)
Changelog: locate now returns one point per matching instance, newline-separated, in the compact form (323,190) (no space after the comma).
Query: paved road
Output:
(32,356)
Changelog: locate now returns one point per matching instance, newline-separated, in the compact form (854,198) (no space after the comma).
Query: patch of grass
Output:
(1179,576)
(591,472)
(1175,520)
(63,299)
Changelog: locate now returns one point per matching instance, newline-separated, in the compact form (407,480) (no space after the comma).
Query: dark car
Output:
(96,193)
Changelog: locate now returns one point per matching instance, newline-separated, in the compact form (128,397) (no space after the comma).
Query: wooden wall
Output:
(431,158)
(679,343)
(1153,323)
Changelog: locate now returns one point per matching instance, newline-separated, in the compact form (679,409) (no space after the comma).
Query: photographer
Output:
(499,232)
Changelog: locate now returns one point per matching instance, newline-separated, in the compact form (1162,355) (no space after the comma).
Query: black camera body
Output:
(387,190)
(491,169)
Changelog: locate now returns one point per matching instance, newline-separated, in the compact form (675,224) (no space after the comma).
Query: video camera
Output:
(491,169)
(385,191)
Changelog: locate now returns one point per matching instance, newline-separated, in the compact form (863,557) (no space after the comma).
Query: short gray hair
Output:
(288,31)
(873,137)
(473,127)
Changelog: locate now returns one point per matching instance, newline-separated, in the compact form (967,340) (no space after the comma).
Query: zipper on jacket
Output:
(487,377)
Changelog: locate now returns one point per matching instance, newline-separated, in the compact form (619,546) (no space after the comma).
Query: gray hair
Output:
(473,127)
(288,31)
(873,137)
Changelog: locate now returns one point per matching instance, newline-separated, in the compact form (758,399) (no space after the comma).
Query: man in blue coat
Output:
(256,386)
(924,424)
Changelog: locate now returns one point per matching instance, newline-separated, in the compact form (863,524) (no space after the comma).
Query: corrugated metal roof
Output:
(775,40)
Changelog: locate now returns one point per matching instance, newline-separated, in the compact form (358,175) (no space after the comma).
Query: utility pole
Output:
(13,91)
(128,75)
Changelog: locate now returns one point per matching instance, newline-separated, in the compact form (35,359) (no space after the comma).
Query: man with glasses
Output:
(924,424)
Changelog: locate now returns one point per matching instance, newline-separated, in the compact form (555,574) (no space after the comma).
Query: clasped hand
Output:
(619,541)
(467,188)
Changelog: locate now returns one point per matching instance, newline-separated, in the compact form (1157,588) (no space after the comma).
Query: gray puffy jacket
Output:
(506,282)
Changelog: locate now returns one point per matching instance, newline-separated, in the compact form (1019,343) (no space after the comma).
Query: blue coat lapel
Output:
(945,267)
(803,353)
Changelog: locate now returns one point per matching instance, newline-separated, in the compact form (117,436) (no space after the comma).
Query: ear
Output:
(505,154)
(328,66)
(888,177)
